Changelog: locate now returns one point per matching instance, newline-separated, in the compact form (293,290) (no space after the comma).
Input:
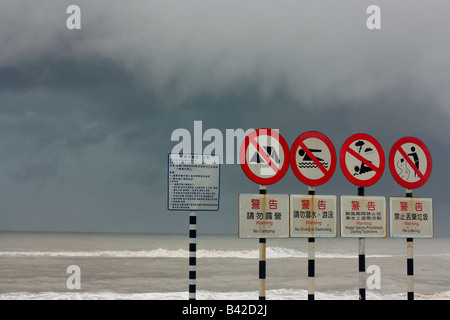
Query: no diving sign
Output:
(264,156)
(362,160)
(410,162)
(313,158)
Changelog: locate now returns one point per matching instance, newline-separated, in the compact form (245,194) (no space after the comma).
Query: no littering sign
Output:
(411,217)
(410,162)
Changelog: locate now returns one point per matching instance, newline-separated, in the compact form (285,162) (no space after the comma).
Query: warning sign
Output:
(193,182)
(363,216)
(264,156)
(263,216)
(313,216)
(410,162)
(362,160)
(411,217)
(313,158)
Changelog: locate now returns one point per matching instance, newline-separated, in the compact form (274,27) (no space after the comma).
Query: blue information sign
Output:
(193,182)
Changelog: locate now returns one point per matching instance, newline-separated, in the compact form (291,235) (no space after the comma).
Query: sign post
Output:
(313,161)
(410,164)
(264,158)
(362,162)
(263,216)
(193,185)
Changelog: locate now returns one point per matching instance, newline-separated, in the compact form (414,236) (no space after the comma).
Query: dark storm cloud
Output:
(97,106)
(180,50)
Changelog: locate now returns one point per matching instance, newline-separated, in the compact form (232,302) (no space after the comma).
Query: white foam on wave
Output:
(156,253)
(272,253)
(276,294)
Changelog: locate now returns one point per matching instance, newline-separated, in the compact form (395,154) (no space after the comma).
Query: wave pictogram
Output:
(312,165)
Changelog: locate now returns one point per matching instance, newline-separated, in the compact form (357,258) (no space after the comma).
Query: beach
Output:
(155,267)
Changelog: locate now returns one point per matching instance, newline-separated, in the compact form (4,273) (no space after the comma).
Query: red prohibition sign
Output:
(313,170)
(277,158)
(406,154)
(360,167)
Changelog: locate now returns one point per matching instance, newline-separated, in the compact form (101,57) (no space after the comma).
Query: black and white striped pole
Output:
(362,259)
(410,259)
(311,268)
(262,254)
(311,257)
(362,268)
(192,255)
(262,268)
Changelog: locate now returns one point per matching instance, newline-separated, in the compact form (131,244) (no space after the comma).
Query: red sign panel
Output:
(264,156)
(410,162)
(362,160)
(313,158)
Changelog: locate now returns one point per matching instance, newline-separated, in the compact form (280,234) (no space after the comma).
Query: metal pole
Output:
(410,259)
(362,259)
(362,268)
(192,254)
(262,268)
(311,257)
(262,254)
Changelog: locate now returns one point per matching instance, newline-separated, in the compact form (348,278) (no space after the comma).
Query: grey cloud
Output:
(180,50)
(88,114)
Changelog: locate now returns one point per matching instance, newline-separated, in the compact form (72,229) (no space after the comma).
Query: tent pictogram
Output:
(264,156)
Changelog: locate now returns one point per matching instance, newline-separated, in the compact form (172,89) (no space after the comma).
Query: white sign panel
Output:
(363,217)
(194,182)
(411,217)
(263,216)
(313,216)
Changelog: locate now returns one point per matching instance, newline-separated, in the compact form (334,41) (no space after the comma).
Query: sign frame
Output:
(193,164)
(250,140)
(395,233)
(311,220)
(366,199)
(379,170)
(242,234)
(424,176)
(299,142)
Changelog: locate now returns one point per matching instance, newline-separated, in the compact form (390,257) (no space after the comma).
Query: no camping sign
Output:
(264,156)
(263,215)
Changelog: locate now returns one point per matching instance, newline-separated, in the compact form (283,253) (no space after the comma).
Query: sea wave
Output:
(271,253)
(275,294)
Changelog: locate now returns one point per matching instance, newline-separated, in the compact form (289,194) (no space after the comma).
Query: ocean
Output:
(155,267)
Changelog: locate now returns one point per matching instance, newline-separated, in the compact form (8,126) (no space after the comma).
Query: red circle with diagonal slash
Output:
(423,176)
(299,143)
(250,140)
(378,170)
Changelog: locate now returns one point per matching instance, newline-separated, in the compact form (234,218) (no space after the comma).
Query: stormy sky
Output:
(86,116)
